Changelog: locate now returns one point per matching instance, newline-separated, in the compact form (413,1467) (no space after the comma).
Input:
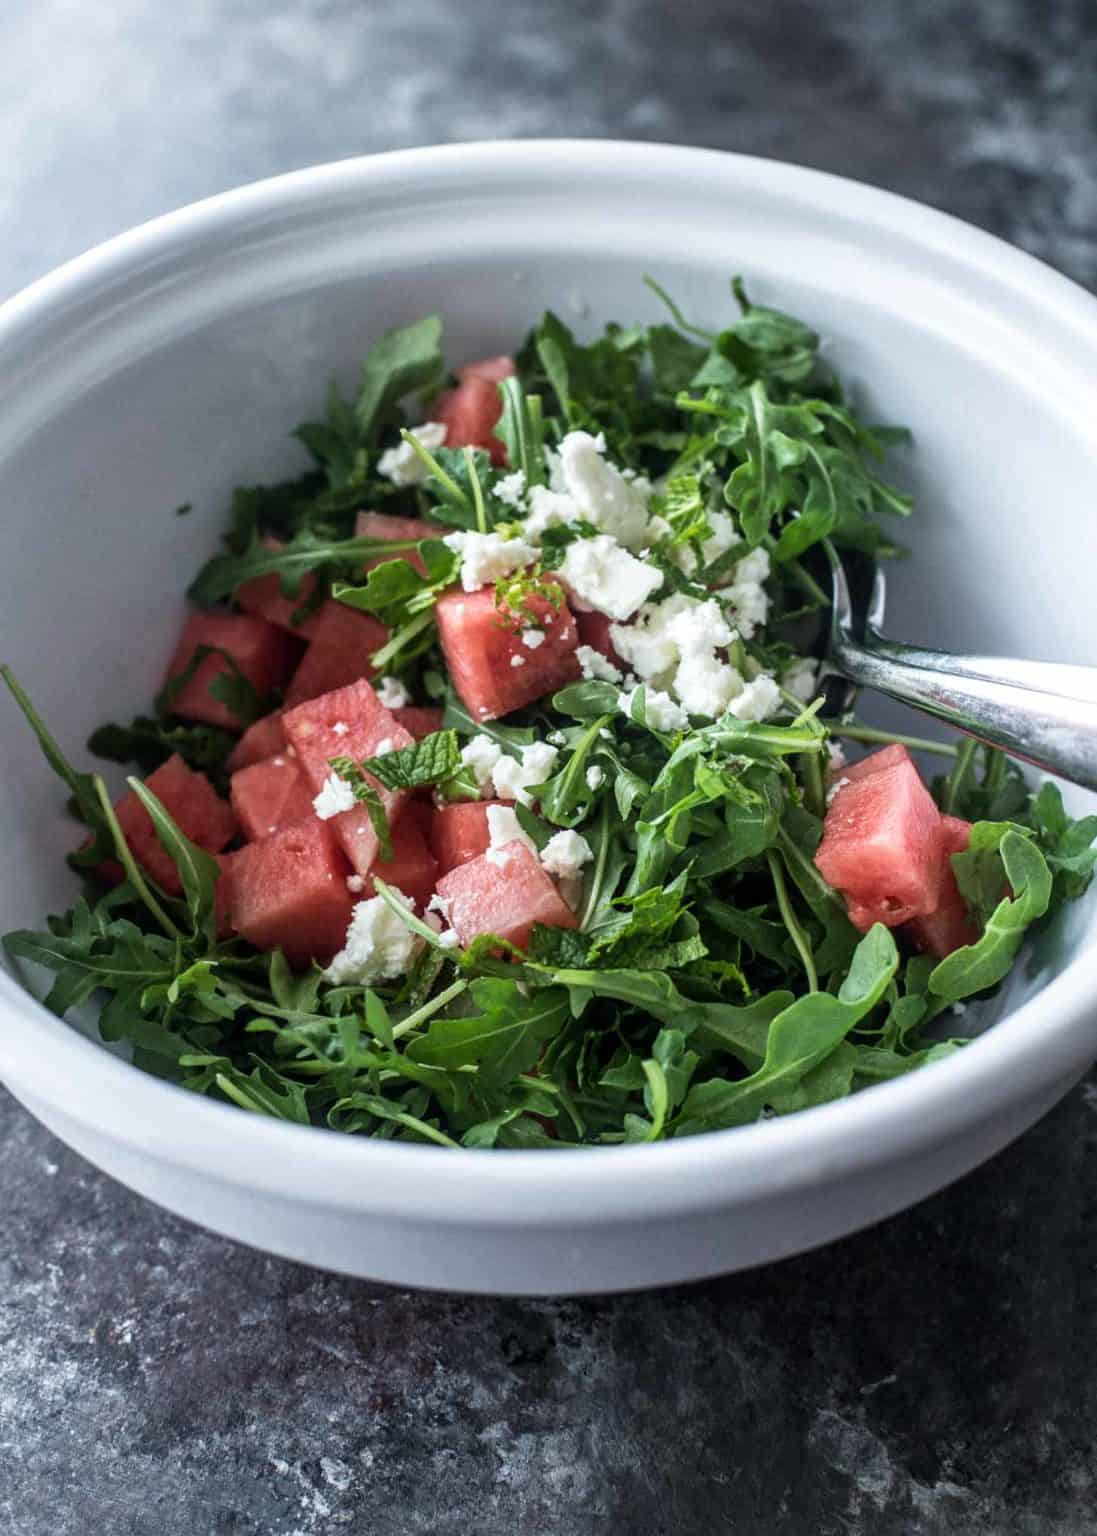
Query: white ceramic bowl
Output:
(169,364)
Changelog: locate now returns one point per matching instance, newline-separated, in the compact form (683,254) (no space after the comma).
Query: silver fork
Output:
(1044,712)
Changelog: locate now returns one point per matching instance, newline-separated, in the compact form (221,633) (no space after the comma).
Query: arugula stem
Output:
(961,772)
(679,319)
(870,734)
(791,922)
(409,919)
(598,873)
(435,468)
(402,638)
(128,863)
(813,783)
(429,1008)
(477,491)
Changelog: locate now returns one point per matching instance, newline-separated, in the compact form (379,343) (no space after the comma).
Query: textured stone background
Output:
(938,1374)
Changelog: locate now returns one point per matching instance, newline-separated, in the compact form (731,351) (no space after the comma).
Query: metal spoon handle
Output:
(1055,732)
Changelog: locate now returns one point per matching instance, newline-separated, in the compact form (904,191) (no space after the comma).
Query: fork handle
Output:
(1043,713)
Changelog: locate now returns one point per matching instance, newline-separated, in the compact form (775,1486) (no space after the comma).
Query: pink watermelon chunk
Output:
(192,802)
(882,845)
(339,653)
(264,739)
(269,796)
(481,642)
(594,631)
(379,525)
(470,414)
(349,722)
(263,595)
(494,369)
(876,762)
(262,652)
(412,869)
(459,832)
(505,898)
(289,892)
(951,926)
(420,719)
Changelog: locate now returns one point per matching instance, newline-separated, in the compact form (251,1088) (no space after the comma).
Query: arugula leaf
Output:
(405,359)
(198,870)
(503,1038)
(149,741)
(977,966)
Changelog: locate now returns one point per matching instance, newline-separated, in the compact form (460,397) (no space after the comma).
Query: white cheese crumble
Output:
(402,465)
(758,701)
(480,756)
(378,945)
(836,758)
(355,884)
(662,713)
(340,728)
(595,776)
(557,738)
(485,557)
(596,667)
(835,787)
(746,596)
(392,693)
(722,538)
(503,828)
(602,576)
(439,904)
(532,638)
(512,779)
(511,490)
(800,678)
(517,661)
(335,797)
(601,493)
(448,939)
(383,746)
(565,854)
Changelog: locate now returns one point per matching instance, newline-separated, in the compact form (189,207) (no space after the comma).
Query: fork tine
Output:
(841,620)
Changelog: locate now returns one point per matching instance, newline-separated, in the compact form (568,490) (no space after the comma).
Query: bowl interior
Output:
(174,368)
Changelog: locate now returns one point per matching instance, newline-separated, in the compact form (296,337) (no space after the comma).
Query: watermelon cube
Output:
(594,631)
(263,595)
(876,762)
(264,739)
(379,525)
(482,643)
(262,652)
(504,893)
(339,652)
(348,722)
(882,845)
(193,804)
(459,832)
(419,719)
(494,369)
(412,869)
(951,926)
(470,414)
(289,892)
(269,796)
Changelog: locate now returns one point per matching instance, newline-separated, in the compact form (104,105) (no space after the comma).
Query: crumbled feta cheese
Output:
(512,779)
(646,644)
(517,660)
(548,508)
(448,940)
(503,828)
(696,628)
(596,667)
(746,596)
(707,686)
(835,787)
(383,746)
(340,728)
(439,904)
(758,700)
(565,853)
(836,757)
(532,638)
(603,496)
(511,490)
(378,945)
(402,465)
(485,557)
(279,762)
(480,756)
(335,797)
(662,713)
(355,884)
(722,538)
(557,738)
(595,775)
(800,678)
(602,576)
(392,693)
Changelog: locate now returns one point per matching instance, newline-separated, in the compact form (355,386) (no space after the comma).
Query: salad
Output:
(494,798)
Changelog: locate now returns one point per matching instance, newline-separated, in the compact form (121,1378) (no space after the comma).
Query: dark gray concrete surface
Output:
(936,1375)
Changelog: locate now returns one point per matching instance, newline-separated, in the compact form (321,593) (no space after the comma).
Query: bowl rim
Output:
(1042,1042)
